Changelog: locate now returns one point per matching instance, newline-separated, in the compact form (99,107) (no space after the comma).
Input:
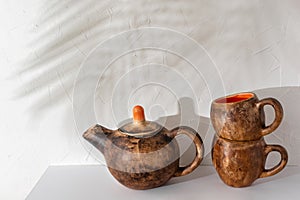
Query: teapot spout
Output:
(97,136)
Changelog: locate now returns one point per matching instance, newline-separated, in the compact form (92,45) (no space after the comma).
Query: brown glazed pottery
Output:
(241,116)
(239,163)
(143,154)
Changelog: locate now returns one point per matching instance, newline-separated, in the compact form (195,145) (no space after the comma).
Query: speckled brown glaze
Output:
(140,158)
(241,116)
(239,163)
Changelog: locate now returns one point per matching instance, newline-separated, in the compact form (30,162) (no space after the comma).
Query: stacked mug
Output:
(239,150)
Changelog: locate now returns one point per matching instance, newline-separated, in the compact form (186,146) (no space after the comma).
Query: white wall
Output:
(254,45)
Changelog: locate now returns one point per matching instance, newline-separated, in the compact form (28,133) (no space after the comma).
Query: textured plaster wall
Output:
(254,45)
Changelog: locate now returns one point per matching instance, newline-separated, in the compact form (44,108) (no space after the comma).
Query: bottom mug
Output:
(240,163)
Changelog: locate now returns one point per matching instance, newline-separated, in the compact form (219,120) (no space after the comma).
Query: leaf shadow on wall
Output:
(67,31)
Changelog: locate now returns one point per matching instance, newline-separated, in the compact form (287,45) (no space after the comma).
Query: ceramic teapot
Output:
(143,154)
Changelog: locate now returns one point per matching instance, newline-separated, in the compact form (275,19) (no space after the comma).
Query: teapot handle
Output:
(191,133)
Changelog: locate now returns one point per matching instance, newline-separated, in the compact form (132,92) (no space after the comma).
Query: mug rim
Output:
(224,102)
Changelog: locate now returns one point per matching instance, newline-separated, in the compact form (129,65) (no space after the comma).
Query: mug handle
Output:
(278,114)
(280,165)
(191,133)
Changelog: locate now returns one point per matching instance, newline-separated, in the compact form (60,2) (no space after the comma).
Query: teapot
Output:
(143,154)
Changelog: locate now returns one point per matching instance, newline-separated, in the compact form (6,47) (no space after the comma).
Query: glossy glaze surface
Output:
(143,155)
(239,164)
(241,116)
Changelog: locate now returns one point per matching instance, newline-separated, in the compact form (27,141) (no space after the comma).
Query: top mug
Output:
(241,116)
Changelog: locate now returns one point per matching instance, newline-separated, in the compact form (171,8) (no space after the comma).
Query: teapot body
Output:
(142,163)
(143,154)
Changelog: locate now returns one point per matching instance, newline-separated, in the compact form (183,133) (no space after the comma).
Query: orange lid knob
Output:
(138,114)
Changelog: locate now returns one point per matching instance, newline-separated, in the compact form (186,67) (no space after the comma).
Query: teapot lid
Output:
(140,127)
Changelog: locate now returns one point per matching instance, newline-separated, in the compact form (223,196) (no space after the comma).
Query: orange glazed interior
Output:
(235,98)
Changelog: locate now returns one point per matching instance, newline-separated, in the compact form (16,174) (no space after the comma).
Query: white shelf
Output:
(95,182)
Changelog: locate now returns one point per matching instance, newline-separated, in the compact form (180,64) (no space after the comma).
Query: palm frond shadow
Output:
(68,30)
(62,42)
